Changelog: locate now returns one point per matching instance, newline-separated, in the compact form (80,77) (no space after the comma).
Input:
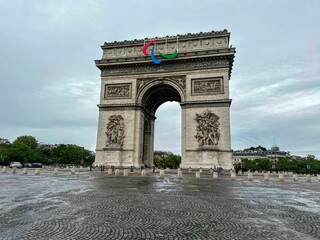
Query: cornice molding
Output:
(194,55)
(178,65)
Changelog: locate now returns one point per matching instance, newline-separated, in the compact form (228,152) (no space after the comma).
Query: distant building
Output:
(258,153)
(294,157)
(47,146)
(161,154)
(4,141)
(275,149)
(52,146)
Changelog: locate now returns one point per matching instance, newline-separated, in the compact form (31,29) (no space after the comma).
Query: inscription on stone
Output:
(117,91)
(207,86)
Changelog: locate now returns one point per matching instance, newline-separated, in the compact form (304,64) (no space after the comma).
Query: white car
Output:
(16,164)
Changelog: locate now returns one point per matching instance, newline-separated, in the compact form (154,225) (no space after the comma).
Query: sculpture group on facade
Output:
(115,131)
(207,129)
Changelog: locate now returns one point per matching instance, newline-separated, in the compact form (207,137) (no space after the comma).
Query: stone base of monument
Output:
(207,156)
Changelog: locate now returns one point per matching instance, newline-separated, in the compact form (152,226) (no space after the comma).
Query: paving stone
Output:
(93,205)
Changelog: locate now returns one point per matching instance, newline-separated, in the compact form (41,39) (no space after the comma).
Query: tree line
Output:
(163,159)
(25,149)
(308,165)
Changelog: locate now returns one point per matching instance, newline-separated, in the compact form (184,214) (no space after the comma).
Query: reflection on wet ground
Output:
(94,205)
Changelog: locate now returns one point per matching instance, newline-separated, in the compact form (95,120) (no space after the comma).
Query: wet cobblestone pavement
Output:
(94,205)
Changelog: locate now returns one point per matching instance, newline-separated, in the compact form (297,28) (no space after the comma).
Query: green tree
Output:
(72,154)
(5,154)
(25,150)
(264,164)
(249,164)
(284,164)
(170,161)
(30,141)
(20,152)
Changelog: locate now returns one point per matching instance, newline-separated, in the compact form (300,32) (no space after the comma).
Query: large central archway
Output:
(167,130)
(133,87)
(151,96)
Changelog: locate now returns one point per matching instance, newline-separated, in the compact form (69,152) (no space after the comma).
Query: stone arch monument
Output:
(138,76)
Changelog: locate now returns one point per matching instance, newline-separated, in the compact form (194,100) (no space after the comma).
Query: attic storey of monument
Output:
(196,75)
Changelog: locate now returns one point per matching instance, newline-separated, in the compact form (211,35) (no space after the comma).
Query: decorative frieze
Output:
(206,86)
(181,66)
(115,132)
(181,45)
(117,91)
(207,129)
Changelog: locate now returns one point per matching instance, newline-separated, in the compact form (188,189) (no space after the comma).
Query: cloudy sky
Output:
(49,85)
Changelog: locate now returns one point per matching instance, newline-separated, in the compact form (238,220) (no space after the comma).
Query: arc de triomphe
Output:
(194,70)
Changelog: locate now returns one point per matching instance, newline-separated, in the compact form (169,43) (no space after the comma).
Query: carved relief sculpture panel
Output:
(207,86)
(117,91)
(115,132)
(207,129)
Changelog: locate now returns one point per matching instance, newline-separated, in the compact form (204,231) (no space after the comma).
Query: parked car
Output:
(37,165)
(27,165)
(15,164)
